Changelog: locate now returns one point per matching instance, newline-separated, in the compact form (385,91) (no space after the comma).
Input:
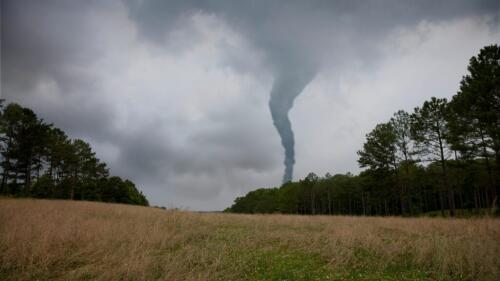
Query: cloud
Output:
(338,109)
(174,95)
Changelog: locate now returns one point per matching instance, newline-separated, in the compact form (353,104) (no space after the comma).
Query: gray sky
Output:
(174,94)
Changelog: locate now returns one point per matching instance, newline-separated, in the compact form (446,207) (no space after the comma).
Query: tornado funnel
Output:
(286,87)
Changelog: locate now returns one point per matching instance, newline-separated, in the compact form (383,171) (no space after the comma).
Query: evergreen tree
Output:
(429,131)
(39,160)
(379,150)
(401,124)
(476,107)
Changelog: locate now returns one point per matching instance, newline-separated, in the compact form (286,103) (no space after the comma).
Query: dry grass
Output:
(63,240)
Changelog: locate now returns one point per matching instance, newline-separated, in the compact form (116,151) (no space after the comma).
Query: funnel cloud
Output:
(286,88)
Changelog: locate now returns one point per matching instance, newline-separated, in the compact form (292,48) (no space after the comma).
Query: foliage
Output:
(379,151)
(39,160)
(408,161)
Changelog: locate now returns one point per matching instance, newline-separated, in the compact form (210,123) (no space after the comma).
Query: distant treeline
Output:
(442,157)
(39,160)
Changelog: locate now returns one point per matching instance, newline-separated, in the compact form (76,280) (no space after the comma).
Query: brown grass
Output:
(64,240)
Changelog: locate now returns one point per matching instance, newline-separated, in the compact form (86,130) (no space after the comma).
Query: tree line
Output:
(39,160)
(442,158)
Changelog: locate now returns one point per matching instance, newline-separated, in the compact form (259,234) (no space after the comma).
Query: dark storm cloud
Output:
(297,38)
(41,38)
(88,65)
(294,33)
(51,40)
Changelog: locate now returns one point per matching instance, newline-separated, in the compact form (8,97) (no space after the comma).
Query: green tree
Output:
(401,124)
(379,155)
(57,147)
(11,123)
(310,183)
(429,131)
(476,108)
(379,150)
(39,160)
(24,140)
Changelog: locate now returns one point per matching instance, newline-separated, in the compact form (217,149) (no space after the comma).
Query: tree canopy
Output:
(442,157)
(39,160)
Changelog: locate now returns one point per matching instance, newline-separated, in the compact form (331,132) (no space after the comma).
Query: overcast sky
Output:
(174,94)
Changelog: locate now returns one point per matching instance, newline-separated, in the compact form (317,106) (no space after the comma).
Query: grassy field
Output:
(63,240)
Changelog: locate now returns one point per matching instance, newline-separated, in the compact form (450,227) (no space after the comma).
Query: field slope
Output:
(64,240)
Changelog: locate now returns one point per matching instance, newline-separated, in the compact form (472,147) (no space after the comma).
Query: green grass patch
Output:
(276,265)
(274,262)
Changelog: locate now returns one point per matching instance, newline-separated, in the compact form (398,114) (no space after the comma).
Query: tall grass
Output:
(67,240)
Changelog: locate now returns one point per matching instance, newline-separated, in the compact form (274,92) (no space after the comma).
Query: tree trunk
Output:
(363,203)
(329,203)
(350,209)
(476,201)
(441,203)
(6,168)
(451,196)
(312,202)
(488,167)
(497,160)
(5,176)
(27,176)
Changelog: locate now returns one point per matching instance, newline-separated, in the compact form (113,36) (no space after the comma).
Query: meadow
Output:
(70,240)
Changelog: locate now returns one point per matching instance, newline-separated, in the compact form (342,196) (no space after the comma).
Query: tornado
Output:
(286,87)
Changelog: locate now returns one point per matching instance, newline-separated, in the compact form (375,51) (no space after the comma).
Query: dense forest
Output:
(39,160)
(443,158)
